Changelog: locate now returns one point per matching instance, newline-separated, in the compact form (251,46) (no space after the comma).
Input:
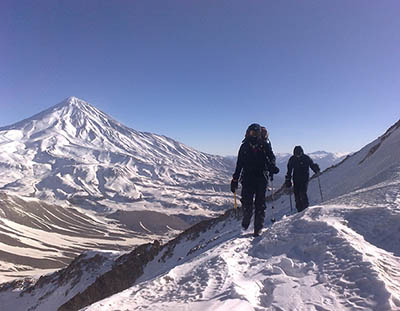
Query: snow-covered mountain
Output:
(73,179)
(75,153)
(339,254)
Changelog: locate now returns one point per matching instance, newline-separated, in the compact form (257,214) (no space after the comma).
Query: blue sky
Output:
(322,74)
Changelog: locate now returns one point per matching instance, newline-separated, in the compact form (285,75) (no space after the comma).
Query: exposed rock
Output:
(122,276)
(129,267)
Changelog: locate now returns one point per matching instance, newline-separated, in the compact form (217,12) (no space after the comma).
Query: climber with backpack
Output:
(299,164)
(252,167)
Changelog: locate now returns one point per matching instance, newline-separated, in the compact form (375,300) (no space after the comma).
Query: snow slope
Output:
(375,163)
(75,153)
(343,254)
(331,257)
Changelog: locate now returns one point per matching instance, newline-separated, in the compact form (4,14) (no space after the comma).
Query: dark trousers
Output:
(300,195)
(253,197)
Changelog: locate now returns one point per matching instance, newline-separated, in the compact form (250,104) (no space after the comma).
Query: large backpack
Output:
(257,157)
(253,128)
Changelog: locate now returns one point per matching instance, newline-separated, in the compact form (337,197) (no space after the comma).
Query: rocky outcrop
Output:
(93,275)
(122,276)
(128,268)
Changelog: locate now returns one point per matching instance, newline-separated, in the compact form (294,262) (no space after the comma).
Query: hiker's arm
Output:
(239,164)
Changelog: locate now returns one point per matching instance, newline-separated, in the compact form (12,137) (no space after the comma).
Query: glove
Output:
(288,183)
(271,176)
(315,168)
(274,170)
(234,185)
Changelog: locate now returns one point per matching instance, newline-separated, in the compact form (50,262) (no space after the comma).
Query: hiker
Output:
(253,164)
(300,163)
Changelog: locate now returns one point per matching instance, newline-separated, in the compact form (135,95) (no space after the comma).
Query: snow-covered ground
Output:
(339,254)
(330,257)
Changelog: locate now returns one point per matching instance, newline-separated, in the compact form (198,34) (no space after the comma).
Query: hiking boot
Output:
(257,233)
(245,223)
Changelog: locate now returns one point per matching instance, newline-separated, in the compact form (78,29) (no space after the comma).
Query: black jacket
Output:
(254,160)
(300,167)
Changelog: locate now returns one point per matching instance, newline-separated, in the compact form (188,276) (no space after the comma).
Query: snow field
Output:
(310,261)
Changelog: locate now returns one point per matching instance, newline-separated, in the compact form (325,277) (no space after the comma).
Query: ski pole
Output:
(237,212)
(234,195)
(272,204)
(320,190)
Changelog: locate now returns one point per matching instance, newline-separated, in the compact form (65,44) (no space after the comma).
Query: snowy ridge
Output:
(75,153)
(331,257)
(343,255)
(317,260)
(377,162)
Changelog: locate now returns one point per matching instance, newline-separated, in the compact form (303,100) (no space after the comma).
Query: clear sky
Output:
(323,74)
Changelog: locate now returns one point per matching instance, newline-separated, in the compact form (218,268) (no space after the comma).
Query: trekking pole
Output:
(235,205)
(291,206)
(320,190)
(272,204)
